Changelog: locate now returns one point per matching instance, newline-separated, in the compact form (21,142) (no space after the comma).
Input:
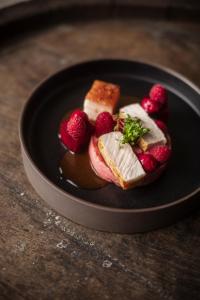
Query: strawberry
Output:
(148,162)
(158,94)
(104,123)
(161,125)
(161,153)
(76,131)
(80,113)
(150,106)
(65,138)
(76,127)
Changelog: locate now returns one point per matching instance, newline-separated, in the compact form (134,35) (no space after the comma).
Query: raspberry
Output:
(161,153)
(148,162)
(161,125)
(76,131)
(150,106)
(158,94)
(104,123)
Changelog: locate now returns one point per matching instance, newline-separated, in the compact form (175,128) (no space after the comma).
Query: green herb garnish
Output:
(133,130)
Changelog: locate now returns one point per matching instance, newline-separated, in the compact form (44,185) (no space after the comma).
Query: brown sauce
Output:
(76,168)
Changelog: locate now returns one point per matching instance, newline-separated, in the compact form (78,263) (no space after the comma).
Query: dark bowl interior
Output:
(66,90)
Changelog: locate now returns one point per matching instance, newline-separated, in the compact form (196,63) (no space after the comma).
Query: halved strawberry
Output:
(76,131)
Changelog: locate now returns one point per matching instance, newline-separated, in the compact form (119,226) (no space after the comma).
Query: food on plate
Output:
(161,153)
(154,135)
(148,162)
(158,94)
(75,132)
(104,123)
(128,148)
(121,159)
(102,96)
(98,163)
(156,102)
(150,106)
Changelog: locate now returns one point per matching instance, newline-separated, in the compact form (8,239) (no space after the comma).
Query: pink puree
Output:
(103,171)
(98,163)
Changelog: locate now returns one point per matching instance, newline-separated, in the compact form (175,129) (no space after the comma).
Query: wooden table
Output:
(45,256)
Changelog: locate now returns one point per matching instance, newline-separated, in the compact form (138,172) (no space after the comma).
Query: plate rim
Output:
(78,199)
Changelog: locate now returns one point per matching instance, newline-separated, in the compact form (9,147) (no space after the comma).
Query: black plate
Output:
(65,91)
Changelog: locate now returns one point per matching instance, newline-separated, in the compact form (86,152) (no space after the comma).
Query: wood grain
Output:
(45,256)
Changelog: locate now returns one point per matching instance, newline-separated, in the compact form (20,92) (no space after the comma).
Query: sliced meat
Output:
(121,159)
(155,136)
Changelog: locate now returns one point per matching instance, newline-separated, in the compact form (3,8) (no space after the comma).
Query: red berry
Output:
(161,125)
(161,153)
(158,94)
(150,106)
(76,127)
(65,138)
(104,123)
(80,113)
(76,131)
(148,162)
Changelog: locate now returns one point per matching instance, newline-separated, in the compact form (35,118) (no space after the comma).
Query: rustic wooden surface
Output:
(45,256)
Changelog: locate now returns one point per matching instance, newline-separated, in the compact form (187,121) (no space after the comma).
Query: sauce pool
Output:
(76,169)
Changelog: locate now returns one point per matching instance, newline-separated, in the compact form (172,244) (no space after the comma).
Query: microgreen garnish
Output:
(133,130)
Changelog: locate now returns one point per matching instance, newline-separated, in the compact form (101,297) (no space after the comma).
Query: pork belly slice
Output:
(121,159)
(102,96)
(155,136)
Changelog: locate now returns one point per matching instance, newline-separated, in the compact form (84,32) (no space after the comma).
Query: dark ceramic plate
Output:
(110,208)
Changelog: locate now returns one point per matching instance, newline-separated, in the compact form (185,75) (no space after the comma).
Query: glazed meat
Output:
(101,97)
